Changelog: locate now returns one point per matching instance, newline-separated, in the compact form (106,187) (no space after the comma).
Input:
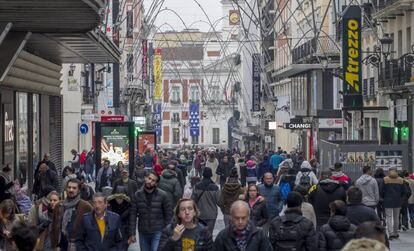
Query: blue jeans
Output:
(411,210)
(149,242)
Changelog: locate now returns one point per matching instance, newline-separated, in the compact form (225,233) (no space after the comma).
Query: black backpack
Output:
(305,180)
(288,235)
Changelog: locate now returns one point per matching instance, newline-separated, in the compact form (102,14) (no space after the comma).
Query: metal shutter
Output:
(55,134)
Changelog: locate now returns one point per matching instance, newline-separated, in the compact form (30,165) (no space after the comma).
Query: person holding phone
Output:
(186,233)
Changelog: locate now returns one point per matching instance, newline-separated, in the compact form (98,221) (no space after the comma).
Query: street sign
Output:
(297,126)
(116,118)
(83,128)
(268,139)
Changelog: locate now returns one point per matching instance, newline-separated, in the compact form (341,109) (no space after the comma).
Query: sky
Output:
(189,11)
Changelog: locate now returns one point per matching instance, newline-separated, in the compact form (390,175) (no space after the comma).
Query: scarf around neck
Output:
(69,206)
(240,236)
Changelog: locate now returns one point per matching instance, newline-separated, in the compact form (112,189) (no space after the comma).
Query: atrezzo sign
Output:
(297,125)
(351,56)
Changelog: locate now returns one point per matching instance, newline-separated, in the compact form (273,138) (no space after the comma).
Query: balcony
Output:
(175,101)
(390,9)
(394,75)
(323,46)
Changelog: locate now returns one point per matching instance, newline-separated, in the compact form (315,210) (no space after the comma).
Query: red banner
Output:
(118,118)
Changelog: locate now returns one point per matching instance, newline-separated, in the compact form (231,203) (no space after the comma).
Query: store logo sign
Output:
(8,129)
(295,126)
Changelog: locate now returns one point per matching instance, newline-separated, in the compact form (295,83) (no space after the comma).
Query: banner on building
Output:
(157,75)
(194,120)
(157,119)
(351,56)
(256,82)
(144,60)
(150,69)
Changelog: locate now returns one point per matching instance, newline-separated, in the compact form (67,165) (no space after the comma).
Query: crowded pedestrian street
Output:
(206,125)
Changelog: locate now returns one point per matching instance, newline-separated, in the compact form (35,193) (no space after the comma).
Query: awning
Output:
(92,47)
(295,69)
(62,31)
(39,16)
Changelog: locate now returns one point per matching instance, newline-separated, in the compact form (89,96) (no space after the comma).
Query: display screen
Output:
(115,144)
(146,141)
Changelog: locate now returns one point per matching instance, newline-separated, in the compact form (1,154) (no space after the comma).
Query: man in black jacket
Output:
(125,185)
(321,195)
(154,210)
(45,180)
(241,234)
(357,212)
(293,231)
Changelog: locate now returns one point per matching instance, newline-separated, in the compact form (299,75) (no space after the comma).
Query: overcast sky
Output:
(189,11)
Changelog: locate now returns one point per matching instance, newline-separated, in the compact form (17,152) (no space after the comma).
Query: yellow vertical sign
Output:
(157,75)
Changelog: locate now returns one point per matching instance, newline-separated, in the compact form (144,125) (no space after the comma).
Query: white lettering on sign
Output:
(8,129)
(297,126)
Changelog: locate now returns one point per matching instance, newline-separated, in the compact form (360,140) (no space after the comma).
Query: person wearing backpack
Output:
(305,176)
(338,231)
(293,231)
(285,180)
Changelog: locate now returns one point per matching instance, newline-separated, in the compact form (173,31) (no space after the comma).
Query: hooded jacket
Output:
(336,233)
(169,183)
(321,195)
(394,190)
(306,169)
(369,188)
(230,193)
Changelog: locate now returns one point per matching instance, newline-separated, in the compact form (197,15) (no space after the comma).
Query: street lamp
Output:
(386,44)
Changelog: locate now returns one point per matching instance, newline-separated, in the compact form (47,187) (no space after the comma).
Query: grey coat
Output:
(206,195)
(369,188)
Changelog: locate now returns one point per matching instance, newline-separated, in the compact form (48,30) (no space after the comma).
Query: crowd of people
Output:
(171,201)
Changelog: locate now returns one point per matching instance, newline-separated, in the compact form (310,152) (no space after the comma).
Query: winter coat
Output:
(139,176)
(123,210)
(305,238)
(230,193)
(308,172)
(103,181)
(45,182)
(203,242)
(5,185)
(411,185)
(129,188)
(242,173)
(307,212)
(275,161)
(206,195)
(336,233)
(90,164)
(258,212)
(82,208)
(321,195)
(369,188)
(148,160)
(170,184)
(256,240)
(89,237)
(263,168)
(359,213)
(342,178)
(180,176)
(394,190)
(273,198)
(223,170)
(380,182)
(213,165)
(153,215)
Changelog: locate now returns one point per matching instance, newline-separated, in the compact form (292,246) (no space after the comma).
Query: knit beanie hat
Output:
(294,199)
(207,173)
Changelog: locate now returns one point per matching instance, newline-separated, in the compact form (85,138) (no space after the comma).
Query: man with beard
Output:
(45,181)
(154,210)
(223,170)
(67,217)
(125,185)
(48,162)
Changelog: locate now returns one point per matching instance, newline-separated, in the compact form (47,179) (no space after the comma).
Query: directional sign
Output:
(83,128)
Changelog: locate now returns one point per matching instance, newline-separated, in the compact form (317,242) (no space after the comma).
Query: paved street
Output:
(405,243)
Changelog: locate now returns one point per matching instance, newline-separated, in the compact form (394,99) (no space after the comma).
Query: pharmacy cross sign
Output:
(194,121)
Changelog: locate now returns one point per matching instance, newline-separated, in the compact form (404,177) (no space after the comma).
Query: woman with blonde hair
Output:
(186,233)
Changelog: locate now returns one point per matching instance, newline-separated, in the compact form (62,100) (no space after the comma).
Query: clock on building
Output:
(234,17)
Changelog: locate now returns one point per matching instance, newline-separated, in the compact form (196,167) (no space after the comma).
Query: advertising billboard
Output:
(351,56)
(157,74)
(115,142)
(256,82)
(146,140)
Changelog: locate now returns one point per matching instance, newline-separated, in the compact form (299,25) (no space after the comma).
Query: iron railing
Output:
(322,46)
